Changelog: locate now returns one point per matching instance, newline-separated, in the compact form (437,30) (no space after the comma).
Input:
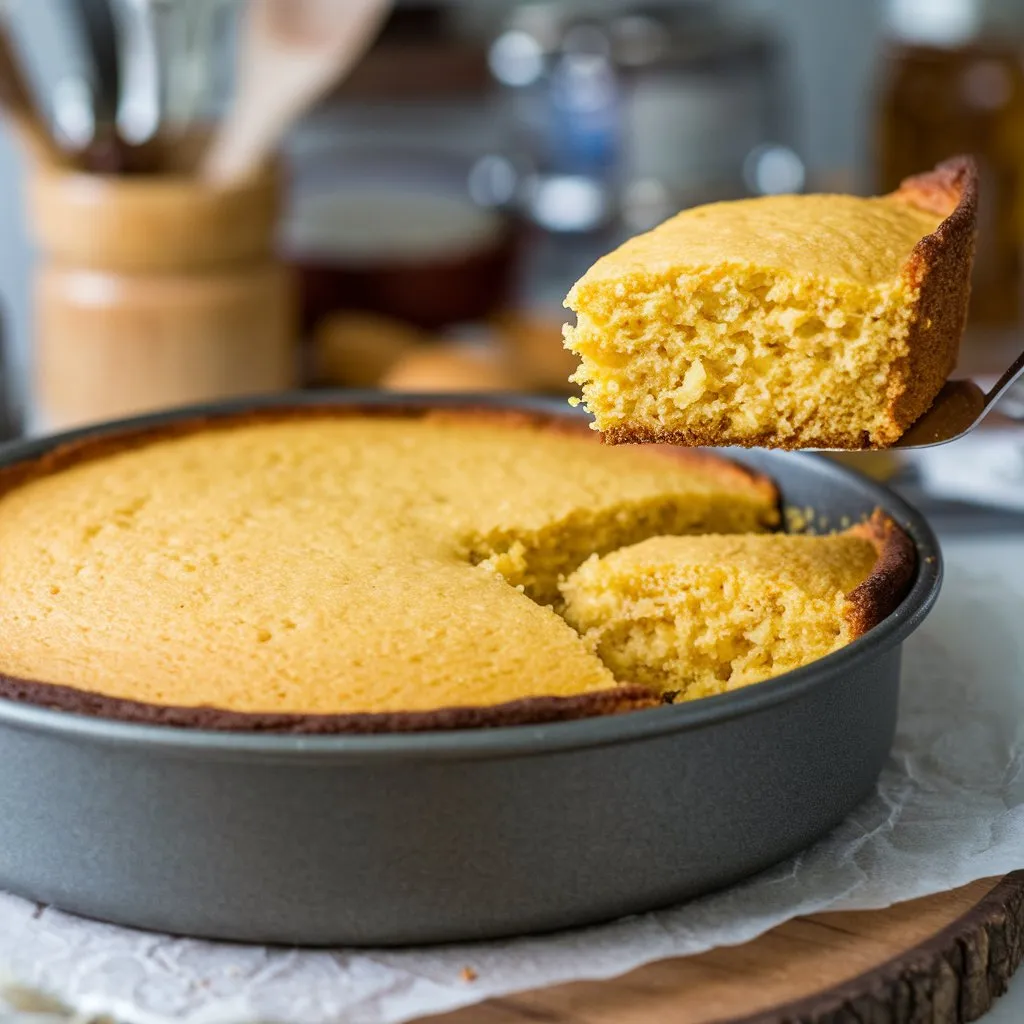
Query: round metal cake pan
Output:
(415,838)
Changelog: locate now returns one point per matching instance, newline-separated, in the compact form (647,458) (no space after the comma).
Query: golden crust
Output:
(939,270)
(523,711)
(99,445)
(878,596)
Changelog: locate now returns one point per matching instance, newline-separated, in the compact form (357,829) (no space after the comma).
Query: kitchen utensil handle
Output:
(138,112)
(294,51)
(20,108)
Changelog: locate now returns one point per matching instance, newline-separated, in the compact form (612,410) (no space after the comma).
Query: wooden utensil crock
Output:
(154,291)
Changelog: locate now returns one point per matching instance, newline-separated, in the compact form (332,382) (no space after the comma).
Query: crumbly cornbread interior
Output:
(781,320)
(703,615)
(336,564)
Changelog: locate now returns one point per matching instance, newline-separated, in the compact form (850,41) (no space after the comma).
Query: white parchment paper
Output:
(949,809)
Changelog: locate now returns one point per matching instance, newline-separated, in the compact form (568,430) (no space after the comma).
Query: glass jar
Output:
(954,83)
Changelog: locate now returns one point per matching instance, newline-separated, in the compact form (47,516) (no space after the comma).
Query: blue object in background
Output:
(585,129)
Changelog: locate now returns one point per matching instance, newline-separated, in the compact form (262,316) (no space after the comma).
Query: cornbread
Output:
(451,366)
(824,321)
(534,345)
(697,616)
(320,571)
(354,349)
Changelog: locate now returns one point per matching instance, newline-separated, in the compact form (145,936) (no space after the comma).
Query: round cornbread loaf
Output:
(321,571)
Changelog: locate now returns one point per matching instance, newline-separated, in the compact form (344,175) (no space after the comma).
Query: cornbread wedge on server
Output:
(811,321)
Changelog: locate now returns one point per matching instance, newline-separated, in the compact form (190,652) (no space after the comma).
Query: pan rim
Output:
(500,741)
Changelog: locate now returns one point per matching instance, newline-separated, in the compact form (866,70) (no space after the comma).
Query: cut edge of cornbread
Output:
(922,314)
(667,614)
(537,561)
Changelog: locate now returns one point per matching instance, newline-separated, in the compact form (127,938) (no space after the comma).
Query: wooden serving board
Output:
(940,960)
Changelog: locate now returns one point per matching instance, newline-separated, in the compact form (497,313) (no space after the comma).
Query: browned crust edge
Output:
(939,268)
(876,597)
(525,711)
(697,438)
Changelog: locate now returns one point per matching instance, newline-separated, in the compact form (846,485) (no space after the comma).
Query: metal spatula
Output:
(960,406)
(18,104)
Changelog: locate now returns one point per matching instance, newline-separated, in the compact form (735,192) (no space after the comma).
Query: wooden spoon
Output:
(292,52)
(20,108)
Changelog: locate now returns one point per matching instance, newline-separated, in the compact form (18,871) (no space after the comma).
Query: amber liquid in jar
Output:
(938,102)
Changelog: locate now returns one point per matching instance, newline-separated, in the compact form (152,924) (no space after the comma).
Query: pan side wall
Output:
(404,850)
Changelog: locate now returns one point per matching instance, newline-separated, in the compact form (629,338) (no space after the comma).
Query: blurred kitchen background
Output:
(440,199)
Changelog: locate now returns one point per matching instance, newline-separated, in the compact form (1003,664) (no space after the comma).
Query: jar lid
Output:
(948,23)
(936,22)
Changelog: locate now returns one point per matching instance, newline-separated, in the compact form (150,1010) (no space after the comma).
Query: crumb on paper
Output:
(467,974)
(28,1001)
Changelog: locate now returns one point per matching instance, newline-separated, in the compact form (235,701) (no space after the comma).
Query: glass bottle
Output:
(953,82)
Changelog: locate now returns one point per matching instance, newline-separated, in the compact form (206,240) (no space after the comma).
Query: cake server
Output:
(961,405)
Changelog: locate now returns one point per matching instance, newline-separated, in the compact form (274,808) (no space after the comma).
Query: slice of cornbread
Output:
(333,570)
(814,321)
(696,616)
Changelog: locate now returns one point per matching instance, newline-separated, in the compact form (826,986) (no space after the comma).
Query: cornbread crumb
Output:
(799,520)
(823,321)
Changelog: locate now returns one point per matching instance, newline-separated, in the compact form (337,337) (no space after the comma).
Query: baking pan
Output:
(415,838)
